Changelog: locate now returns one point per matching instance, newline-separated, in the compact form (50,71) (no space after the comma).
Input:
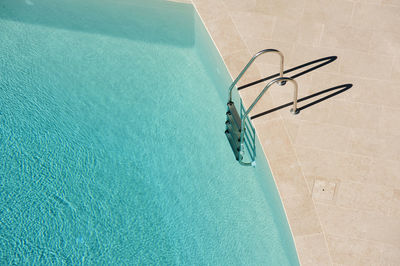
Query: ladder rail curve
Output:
(294,110)
(251,62)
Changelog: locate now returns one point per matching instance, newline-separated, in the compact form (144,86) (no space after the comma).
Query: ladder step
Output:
(235,144)
(233,130)
(233,116)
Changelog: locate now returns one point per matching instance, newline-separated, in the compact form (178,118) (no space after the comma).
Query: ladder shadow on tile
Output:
(325,61)
(320,63)
(335,91)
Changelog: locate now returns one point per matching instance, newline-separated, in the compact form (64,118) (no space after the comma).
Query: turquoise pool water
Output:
(112,145)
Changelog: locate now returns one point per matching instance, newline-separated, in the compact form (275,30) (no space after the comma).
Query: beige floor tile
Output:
(380,92)
(316,113)
(389,94)
(390,255)
(286,93)
(325,190)
(390,2)
(346,37)
(355,115)
(310,32)
(334,85)
(376,2)
(340,221)
(210,10)
(347,251)
(333,165)
(351,167)
(384,172)
(366,142)
(286,29)
(340,112)
(248,24)
(282,8)
(385,42)
(304,54)
(304,82)
(329,11)
(331,102)
(396,69)
(250,94)
(292,127)
(395,204)
(267,70)
(226,36)
(323,136)
(347,146)
(274,138)
(365,15)
(390,121)
(366,65)
(239,5)
(262,118)
(390,149)
(381,228)
(288,176)
(283,97)
(313,250)
(376,17)
(302,216)
(236,63)
(367,197)
(310,182)
(323,80)
(364,91)
(257,44)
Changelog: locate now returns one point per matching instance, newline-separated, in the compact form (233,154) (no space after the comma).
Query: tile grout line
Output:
(352,209)
(321,36)
(345,155)
(315,209)
(279,118)
(265,156)
(304,179)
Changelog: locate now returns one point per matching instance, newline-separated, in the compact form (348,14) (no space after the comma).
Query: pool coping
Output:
(308,236)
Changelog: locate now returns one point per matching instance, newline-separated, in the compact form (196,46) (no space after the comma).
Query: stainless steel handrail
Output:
(294,110)
(277,80)
(250,63)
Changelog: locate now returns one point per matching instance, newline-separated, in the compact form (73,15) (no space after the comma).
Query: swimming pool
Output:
(112,142)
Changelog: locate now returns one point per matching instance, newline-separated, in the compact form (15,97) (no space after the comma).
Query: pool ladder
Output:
(239,128)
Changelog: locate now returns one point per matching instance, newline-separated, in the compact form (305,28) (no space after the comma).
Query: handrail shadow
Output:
(328,60)
(340,89)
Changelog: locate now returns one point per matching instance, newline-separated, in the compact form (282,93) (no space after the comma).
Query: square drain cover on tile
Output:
(323,190)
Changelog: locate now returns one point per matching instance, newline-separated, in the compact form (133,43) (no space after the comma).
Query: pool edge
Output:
(303,242)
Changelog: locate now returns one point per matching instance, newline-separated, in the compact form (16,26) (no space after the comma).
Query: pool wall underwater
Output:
(112,145)
(217,70)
